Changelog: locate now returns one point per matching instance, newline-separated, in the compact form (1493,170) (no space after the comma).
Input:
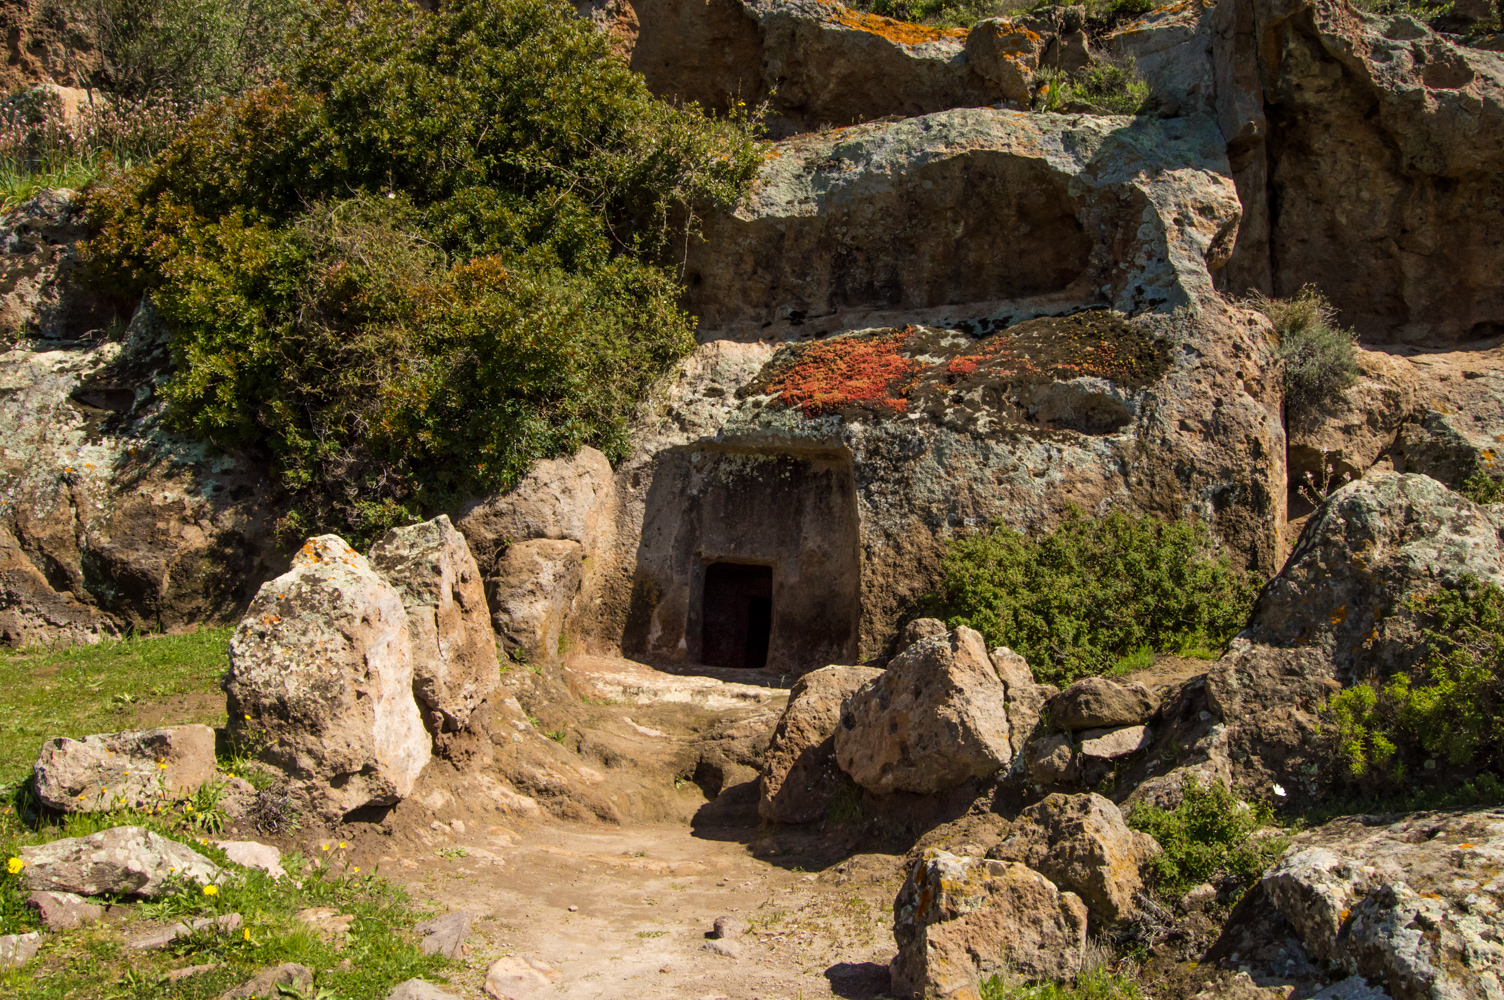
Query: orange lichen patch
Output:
(897,32)
(1465,847)
(1345,915)
(1015,39)
(832,375)
(1339,616)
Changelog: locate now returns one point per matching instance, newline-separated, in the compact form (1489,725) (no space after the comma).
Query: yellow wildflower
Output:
(211,890)
(342,845)
(14,866)
(325,846)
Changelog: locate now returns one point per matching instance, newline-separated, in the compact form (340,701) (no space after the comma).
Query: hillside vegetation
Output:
(442,249)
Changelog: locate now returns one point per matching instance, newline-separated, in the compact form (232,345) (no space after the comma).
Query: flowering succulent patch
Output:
(888,372)
(829,376)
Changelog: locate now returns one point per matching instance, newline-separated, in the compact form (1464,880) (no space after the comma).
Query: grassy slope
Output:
(170,680)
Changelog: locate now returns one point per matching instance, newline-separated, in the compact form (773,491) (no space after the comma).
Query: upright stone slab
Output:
(454,648)
(321,680)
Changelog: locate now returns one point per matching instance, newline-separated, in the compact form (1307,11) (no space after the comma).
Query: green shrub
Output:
(445,253)
(186,49)
(1075,600)
(1320,359)
(1207,837)
(1450,707)
(1094,984)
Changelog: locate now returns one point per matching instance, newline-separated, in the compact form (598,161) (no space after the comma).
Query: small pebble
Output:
(573,909)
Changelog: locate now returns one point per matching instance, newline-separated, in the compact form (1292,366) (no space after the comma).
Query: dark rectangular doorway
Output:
(737,615)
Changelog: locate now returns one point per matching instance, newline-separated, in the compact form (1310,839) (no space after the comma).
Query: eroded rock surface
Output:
(120,861)
(1081,843)
(1399,903)
(135,769)
(960,920)
(453,646)
(801,774)
(321,680)
(1097,702)
(937,716)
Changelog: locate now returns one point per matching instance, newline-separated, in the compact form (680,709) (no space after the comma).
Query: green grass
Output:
(91,964)
(19,184)
(103,688)
(1095,984)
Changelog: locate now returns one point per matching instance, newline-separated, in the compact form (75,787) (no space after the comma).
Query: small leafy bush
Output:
(445,252)
(1107,88)
(1075,600)
(1208,837)
(1320,359)
(1451,707)
(1483,488)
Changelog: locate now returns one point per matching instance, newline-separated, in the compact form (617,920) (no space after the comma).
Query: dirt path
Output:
(624,912)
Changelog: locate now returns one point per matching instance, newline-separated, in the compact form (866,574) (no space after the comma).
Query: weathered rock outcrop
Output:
(816,63)
(981,217)
(1081,843)
(136,769)
(935,718)
(454,648)
(108,521)
(1369,148)
(958,921)
(1400,903)
(120,861)
(321,682)
(801,773)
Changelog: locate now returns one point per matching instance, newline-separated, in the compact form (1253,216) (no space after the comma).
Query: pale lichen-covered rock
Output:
(110,522)
(321,681)
(958,921)
(935,718)
(1081,843)
(1051,760)
(905,222)
(135,769)
(1399,903)
(120,861)
(454,647)
(919,628)
(801,773)
(251,854)
(1373,545)
(535,584)
(1458,427)
(1097,702)
(63,911)
(18,949)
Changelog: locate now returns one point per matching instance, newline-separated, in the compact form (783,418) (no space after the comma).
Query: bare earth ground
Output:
(624,912)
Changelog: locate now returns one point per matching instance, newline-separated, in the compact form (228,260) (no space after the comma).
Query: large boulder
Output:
(1081,843)
(535,586)
(133,770)
(1372,546)
(935,718)
(959,920)
(1099,703)
(801,773)
(564,499)
(120,861)
(1026,697)
(1398,903)
(454,647)
(321,681)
